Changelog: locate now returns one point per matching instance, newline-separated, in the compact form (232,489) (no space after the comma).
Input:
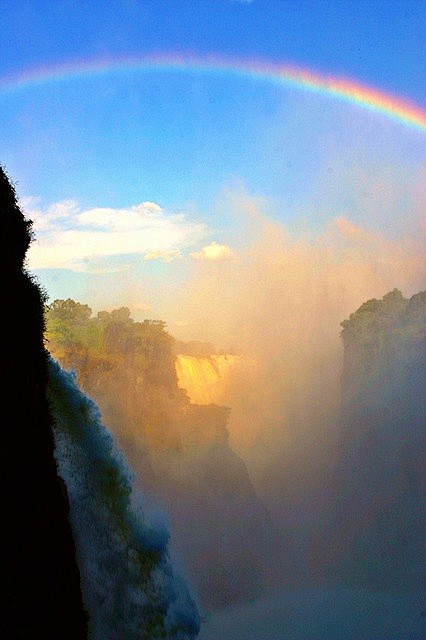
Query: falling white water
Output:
(129,588)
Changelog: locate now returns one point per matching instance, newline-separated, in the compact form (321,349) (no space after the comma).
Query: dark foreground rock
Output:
(40,581)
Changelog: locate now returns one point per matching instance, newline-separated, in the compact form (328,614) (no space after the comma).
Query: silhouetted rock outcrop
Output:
(380,513)
(40,596)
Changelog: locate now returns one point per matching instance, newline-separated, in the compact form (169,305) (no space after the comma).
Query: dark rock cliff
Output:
(380,512)
(40,580)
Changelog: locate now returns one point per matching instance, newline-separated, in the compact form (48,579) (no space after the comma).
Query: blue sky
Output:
(138,172)
(380,42)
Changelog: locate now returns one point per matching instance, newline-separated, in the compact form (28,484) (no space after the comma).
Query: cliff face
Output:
(222,528)
(40,580)
(381,478)
(178,449)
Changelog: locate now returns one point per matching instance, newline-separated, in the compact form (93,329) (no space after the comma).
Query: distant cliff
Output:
(179,449)
(40,595)
(380,514)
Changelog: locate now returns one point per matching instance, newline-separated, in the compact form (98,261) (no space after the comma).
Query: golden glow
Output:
(207,379)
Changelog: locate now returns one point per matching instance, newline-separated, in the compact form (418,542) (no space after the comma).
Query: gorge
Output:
(120,465)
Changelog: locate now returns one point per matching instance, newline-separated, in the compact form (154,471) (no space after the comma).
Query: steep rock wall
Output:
(380,484)
(41,594)
(179,450)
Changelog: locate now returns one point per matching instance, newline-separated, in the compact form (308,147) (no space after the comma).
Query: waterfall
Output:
(206,378)
(128,585)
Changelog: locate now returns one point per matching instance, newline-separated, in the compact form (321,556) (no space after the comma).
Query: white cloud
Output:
(165,256)
(68,236)
(151,207)
(215,252)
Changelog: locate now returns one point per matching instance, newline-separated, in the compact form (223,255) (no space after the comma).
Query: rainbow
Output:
(340,88)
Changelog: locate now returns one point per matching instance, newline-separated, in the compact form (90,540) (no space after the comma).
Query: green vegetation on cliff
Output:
(383,337)
(178,450)
(381,479)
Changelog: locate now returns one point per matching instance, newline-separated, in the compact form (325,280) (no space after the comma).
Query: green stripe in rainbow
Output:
(340,88)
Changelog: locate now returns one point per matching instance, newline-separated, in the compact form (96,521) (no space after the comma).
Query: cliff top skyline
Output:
(155,147)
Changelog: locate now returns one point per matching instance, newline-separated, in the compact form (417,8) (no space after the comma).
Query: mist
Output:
(278,298)
(256,316)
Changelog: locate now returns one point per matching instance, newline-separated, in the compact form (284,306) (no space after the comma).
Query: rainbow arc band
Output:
(340,88)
